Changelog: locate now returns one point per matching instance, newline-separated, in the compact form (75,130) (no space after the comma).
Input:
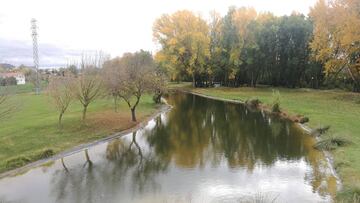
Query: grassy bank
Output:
(339,109)
(32,133)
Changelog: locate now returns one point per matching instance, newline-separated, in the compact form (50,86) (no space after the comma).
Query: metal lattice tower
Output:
(35,53)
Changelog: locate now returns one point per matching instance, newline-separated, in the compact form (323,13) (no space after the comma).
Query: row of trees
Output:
(249,48)
(127,77)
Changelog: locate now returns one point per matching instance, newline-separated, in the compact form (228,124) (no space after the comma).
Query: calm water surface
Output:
(201,151)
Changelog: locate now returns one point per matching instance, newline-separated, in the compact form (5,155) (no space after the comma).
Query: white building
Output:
(20,77)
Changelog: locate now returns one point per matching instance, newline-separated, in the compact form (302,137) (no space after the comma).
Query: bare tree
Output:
(89,82)
(112,79)
(158,84)
(131,77)
(60,89)
(136,78)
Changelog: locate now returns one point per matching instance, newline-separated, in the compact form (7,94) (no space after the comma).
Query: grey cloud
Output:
(20,52)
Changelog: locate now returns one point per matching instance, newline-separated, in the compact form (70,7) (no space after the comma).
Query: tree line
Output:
(245,47)
(127,77)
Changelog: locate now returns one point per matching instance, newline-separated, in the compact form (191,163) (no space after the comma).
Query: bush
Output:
(331,143)
(276,102)
(276,108)
(304,120)
(157,98)
(17,162)
(23,160)
(320,131)
(45,154)
(253,103)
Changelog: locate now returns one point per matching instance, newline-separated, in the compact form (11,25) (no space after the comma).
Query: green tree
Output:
(294,36)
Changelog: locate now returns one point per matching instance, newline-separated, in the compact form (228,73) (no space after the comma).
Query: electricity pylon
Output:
(35,53)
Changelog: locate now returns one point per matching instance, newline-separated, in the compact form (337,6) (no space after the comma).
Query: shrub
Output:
(321,130)
(276,108)
(252,103)
(339,164)
(276,102)
(331,143)
(157,98)
(45,154)
(23,160)
(17,162)
(304,120)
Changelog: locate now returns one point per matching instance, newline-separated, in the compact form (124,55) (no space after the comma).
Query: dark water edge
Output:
(201,151)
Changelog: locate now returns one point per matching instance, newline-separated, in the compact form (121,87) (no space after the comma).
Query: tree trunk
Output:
(356,87)
(133,116)
(158,97)
(193,80)
(115,103)
(60,118)
(84,112)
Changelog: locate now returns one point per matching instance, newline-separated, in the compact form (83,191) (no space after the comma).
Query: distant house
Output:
(20,77)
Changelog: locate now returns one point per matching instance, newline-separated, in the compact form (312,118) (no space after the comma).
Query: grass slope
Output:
(32,131)
(339,109)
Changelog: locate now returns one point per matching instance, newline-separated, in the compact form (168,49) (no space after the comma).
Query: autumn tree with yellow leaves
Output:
(245,47)
(336,41)
(184,39)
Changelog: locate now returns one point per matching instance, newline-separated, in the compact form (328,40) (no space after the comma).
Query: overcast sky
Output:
(68,27)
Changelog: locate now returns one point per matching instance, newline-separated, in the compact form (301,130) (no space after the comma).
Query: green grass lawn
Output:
(33,128)
(26,88)
(339,109)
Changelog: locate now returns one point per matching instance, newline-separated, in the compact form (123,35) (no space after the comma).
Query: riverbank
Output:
(32,133)
(81,147)
(339,109)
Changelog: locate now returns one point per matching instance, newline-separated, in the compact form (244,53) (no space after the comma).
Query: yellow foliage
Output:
(184,39)
(242,17)
(337,35)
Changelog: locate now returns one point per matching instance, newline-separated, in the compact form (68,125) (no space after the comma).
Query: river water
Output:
(201,151)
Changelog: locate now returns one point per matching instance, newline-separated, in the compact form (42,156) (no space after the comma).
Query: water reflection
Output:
(201,151)
(200,130)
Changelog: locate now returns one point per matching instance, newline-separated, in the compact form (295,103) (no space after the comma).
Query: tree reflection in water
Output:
(208,129)
(200,131)
(126,165)
(197,133)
